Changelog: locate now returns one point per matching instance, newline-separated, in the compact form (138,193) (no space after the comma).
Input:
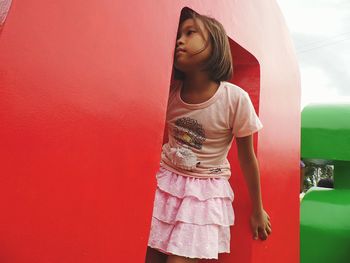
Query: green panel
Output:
(325,226)
(325,213)
(325,131)
(342,176)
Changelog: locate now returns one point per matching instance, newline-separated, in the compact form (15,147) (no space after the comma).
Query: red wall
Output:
(83,93)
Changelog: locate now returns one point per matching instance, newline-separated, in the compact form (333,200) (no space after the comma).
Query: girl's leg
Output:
(155,256)
(178,259)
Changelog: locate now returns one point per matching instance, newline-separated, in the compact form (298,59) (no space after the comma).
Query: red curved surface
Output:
(83,93)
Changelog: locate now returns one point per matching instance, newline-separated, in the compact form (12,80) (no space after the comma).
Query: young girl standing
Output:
(193,211)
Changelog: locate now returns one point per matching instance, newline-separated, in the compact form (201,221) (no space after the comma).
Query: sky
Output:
(320,30)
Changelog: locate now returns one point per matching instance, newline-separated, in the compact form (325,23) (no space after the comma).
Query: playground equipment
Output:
(83,95)
(325,213)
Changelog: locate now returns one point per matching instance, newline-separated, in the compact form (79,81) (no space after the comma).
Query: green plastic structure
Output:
(325,213)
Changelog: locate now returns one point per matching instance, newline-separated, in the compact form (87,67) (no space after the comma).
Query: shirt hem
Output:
(188,174)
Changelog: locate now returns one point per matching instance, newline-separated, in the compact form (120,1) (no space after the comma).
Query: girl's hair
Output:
(219,64)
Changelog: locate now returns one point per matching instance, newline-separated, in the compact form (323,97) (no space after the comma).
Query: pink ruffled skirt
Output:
(191,216)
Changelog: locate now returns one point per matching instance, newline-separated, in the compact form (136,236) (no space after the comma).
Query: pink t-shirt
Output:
(200,135)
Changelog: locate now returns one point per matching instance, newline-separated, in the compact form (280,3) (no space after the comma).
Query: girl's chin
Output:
(179,68)
(183,68)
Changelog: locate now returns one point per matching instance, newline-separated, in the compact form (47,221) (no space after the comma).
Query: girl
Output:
(193,211)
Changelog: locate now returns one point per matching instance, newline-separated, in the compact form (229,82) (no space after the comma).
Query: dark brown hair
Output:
(219,65)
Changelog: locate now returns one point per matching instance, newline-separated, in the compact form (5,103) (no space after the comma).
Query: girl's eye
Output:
(189,32)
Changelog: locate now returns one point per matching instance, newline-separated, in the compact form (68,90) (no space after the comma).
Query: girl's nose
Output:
(179,41)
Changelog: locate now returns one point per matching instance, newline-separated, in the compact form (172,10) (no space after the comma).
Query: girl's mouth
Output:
(180,50)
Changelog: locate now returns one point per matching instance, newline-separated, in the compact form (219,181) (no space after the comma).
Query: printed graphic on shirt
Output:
(215,170)
(189,132)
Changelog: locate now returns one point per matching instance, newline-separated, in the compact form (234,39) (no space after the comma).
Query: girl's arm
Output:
(260,220)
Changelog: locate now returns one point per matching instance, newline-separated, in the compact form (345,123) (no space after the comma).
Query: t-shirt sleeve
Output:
(245,120)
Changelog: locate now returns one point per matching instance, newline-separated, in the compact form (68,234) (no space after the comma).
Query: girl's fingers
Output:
(268,230)
(255,233)
(264,234)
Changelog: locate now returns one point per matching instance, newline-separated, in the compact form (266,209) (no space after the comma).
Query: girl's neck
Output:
(197,82)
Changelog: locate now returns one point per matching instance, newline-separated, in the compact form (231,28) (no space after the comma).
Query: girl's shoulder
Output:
(233,91)
(233,88)
(174,86)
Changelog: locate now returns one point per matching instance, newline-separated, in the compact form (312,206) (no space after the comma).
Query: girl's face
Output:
(192,47)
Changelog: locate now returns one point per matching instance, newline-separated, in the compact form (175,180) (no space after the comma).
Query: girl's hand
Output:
(260,225)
